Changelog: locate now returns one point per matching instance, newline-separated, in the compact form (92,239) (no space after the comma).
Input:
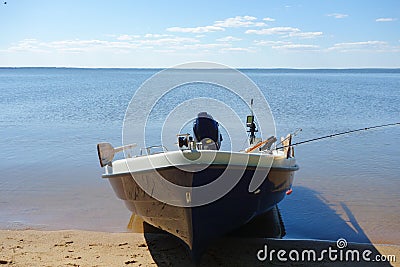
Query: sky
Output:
(240,34)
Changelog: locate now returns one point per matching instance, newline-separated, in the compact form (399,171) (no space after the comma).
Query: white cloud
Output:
(228,39)
(221,25)
(275,30)
(152,35)
(87,45)
(360,46)
(200,29)
(305,35)
(124,37)
(200,46)
(259,24)
(282,45)
(270,43)
(287,31)
(238,21)
(28,45)
(168,41)
(338,15)
(168,51)
(366,46)
(236,49)
(297,47)
(385,19)
(77,45)
(268,19)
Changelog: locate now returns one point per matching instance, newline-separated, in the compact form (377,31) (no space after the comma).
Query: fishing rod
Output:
(291,135)
(341,133)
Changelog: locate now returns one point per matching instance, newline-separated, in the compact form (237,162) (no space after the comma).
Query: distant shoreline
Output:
(367,70)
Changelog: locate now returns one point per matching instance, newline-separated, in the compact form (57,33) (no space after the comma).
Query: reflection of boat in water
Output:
(198,163)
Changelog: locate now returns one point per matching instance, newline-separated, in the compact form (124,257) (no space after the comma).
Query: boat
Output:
(262,176)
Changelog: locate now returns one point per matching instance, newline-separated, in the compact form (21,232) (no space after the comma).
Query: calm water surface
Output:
(52,119)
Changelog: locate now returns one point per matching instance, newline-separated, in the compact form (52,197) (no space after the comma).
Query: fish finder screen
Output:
(250,119)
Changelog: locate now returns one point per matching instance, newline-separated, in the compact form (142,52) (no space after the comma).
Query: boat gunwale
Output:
(121,174)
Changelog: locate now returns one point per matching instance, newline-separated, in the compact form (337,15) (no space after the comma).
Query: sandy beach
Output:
(83,248)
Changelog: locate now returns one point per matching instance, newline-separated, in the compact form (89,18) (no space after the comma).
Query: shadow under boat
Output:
(240,248)
(309,215)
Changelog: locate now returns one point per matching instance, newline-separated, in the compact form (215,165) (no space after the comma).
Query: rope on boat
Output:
(341,133)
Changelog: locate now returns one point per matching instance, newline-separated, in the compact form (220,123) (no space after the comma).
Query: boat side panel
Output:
(199,225)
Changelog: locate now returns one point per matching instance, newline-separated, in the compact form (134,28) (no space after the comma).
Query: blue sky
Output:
(252,34)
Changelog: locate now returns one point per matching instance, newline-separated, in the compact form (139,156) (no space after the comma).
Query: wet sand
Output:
(84,248)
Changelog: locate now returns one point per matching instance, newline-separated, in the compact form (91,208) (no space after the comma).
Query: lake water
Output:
(51,120)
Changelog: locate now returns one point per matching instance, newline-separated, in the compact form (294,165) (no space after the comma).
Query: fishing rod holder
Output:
(149,148)
(252,128)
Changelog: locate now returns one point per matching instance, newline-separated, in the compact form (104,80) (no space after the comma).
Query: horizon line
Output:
(240,68)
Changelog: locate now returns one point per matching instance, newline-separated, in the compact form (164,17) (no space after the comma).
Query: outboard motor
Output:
(206,131)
